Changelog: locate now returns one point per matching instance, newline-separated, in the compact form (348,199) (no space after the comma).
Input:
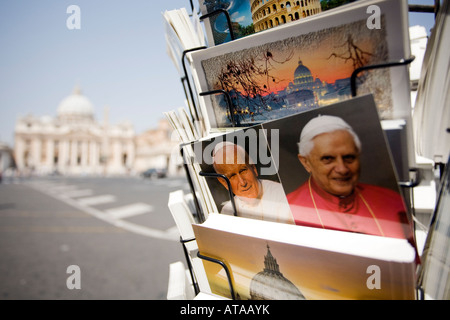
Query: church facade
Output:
(74,143)
(307,92)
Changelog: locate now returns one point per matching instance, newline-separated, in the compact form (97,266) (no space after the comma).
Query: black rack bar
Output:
(188,261)
(376,66)
(425,8)
(227,100)
(421,8)
(186,79)
(230,191)
(200,215)
(420,293)
(409,185)
(183,81)
(413,182)
(227,15)
(221,263)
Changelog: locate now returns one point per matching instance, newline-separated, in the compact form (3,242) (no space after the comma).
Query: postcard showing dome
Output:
(308,64)
(276,261)
(270,284)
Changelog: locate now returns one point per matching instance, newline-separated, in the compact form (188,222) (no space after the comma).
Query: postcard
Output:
(273,261)
(251,174)
(307,64)
(346,182)
(247,17)
(343,179)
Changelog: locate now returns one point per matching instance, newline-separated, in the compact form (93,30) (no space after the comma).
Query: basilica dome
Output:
(302,75)
(76,106)
(270,284)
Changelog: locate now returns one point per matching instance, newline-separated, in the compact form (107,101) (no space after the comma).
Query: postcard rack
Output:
(353,85)
(425,8)
(234,121)
(222,176)
(357,71)
(188,176)
(227,16)
(190,96)
(185,79)
(224,266)
(210,259)
(188,261)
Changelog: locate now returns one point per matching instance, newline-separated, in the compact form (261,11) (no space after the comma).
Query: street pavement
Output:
(87,238)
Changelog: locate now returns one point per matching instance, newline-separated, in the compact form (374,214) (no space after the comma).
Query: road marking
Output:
(62,188)
(149,232)
(79,193)
(169,234)
(92,201)
(129,210)
(173,231)
(174,184)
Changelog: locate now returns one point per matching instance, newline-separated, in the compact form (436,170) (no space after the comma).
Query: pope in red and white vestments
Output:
(369,209)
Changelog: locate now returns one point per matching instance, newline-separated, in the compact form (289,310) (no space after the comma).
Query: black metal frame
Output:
(188,261)
(222,176)
(425,8)
(227,100)
(223,265)
(201,217)
(186,79)
(203,257)
(402,62)
(227,16)
(355,73)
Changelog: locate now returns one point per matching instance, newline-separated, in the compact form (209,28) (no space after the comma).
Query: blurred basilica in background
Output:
(74,143)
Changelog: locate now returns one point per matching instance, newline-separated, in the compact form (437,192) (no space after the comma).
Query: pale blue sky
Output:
(118,58)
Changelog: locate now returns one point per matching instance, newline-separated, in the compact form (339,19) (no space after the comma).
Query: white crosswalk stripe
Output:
(62,188)
(83,199)
(129,210)
(96,200)
(168,183)
(79,193)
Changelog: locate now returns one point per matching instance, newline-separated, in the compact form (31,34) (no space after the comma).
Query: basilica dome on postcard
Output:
(270,284)
(302,75)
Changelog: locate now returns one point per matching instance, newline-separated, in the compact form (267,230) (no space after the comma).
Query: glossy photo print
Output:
(305,65)
(297,74)
(274,261)
(253,189)
(337,171)
(246,17)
